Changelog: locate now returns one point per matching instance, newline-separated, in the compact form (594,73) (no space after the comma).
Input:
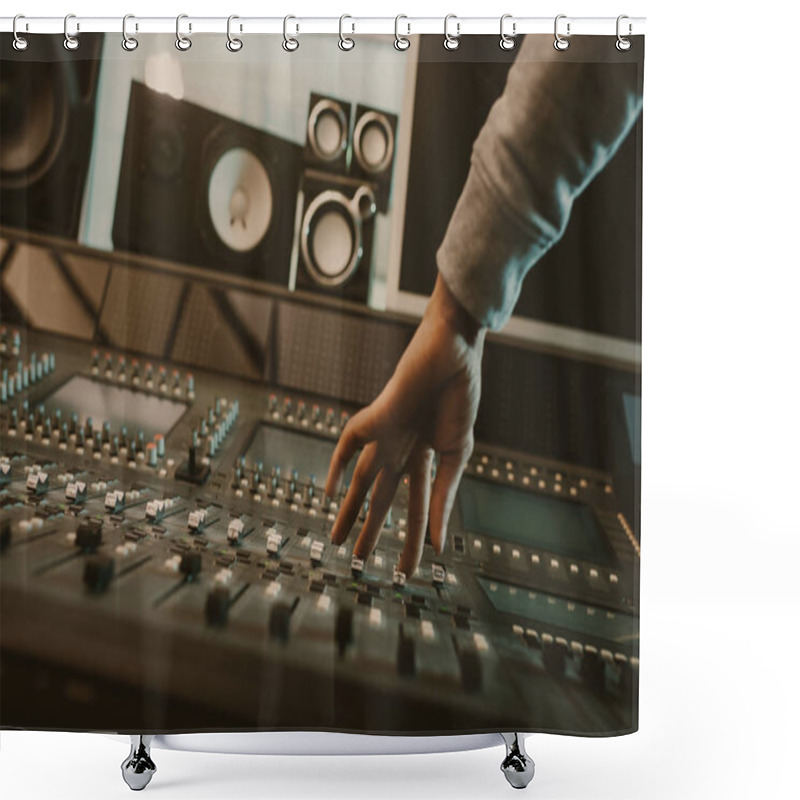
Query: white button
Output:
(573,568)
(324,602)
(496,549)
(427,629)
(613,578)
(480,642)
(478,544)
(593,573)
(535,559)
(518,629)
(515,553)
(554,563)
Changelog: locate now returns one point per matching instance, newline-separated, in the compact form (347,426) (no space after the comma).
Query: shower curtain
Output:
(320,387)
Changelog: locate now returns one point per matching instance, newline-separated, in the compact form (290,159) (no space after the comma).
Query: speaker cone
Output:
(331,234)
(373,142)
(327,130)
(240,199)
(32,123)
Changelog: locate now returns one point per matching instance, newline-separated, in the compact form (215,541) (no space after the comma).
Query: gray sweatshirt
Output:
(556,125)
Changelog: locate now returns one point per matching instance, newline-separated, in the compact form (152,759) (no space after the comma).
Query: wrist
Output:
(448,309)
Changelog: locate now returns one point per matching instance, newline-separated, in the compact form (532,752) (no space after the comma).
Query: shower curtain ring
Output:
(400,42)
(451,42)
(346,42)
(70,42)
(233,44)
(129,43)
(560,42)
(290,44)
(182,42)
(623,43)
(507,42)
(20,42)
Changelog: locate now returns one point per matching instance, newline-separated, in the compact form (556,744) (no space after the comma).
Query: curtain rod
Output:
(349,25)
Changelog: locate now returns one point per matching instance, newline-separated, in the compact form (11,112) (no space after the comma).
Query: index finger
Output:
(357,432)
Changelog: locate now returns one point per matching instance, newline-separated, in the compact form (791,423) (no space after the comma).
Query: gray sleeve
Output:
(556,125)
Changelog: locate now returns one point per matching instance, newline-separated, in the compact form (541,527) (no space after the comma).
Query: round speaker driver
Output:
(332,242)
(240,199)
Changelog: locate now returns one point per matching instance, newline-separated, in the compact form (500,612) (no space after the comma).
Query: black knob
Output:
(89,535)
(217,604)
(5,534)
(344,628)
(191,564)
(406,658)
(470,663)
(98,572)
(279,619)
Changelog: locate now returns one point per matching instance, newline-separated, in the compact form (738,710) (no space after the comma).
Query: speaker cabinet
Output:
(199,188)
(327,134)
(374,146)
(47,105)
(336,228)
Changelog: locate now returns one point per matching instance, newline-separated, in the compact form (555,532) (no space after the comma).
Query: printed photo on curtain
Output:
(320,384)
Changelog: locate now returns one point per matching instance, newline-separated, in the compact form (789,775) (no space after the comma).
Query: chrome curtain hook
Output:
(345,42)
(560,42)
(182,42)
(129,43)
(20,42)
(70,42)
(233,44)
(623,43)
(451,42)
(290,44)
(400,42)
(507,42)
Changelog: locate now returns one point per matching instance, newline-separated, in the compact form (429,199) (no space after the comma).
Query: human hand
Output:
(427,407)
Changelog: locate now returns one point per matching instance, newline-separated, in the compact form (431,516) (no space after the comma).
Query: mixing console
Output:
(165,536)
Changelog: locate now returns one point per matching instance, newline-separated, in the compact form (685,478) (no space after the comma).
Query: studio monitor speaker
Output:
(200,188)
(47,108)
(336,228)
(327,134)
(374,145)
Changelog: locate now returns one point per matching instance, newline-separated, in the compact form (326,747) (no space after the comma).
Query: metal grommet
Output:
(129,43)
(622,43)
(233,44)
(507,42)
(20,43)
(71,43)
(560,42)
(183,43)
(346,43)
(400,42)
(451,42)
(290,44)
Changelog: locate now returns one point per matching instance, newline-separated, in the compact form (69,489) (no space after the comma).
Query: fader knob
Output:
(218,603)
(279,619)
(191,564)
(406,654)
(89,534)
(344,628)
(98,572)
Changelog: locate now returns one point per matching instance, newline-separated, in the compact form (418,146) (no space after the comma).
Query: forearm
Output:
(556,125)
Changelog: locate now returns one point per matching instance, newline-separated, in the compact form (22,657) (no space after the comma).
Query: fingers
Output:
(379,505)
(357,432)
(448,476)
(363,476)
(419,495)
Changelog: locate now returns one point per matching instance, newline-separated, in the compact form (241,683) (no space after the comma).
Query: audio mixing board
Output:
(165,537)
